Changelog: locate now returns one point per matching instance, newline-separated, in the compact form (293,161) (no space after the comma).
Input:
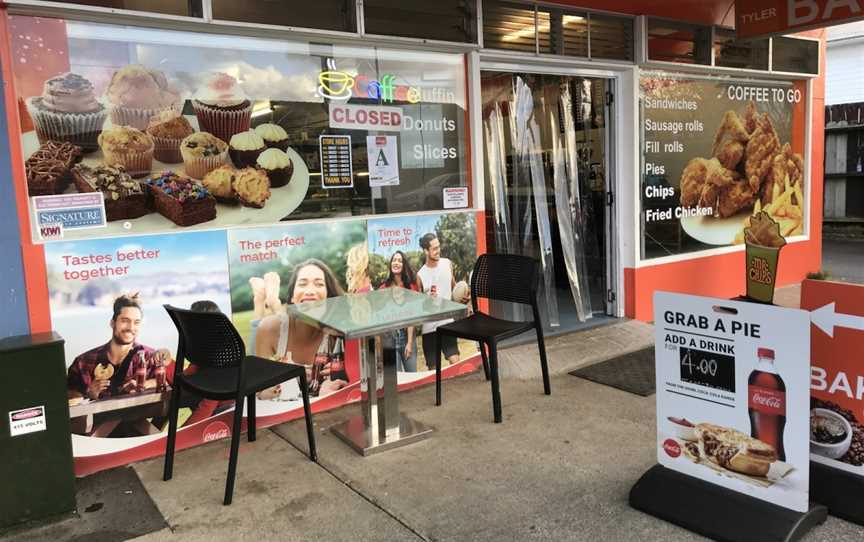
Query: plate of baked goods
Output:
(171,177)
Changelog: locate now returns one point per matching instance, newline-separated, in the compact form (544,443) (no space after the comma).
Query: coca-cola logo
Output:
(672,448)
(216,431)
(767,400)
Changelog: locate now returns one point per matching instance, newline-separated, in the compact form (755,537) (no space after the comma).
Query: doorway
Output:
(547,154)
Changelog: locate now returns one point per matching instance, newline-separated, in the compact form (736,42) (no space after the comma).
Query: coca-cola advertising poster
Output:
(837,373)
(106,300)
(733,395)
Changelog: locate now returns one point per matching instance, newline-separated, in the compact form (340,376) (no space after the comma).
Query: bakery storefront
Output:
(182,152)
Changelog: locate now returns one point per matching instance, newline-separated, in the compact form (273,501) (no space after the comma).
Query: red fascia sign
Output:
(763,18)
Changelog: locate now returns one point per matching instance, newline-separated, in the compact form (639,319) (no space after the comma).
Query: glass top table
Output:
(371,317)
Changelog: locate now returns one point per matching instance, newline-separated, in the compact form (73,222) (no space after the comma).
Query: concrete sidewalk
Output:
(558,468)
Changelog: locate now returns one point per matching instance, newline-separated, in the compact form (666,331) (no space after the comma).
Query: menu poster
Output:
(336,167)
(716,151)
(837,373)
(733,395)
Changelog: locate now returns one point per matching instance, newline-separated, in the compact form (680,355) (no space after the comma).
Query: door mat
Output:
(633,372)
(112,506)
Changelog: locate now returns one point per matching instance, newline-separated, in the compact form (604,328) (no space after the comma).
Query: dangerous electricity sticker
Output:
(27,420)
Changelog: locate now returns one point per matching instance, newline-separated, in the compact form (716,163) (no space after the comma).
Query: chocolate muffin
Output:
(277,165)
(245,147)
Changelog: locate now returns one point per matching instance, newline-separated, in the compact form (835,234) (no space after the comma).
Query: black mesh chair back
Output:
(505,277)
(210,341)
(207,339)
(500,277)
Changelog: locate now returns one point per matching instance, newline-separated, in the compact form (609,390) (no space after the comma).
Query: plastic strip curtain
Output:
(497,167)
(529,156)
(568,202)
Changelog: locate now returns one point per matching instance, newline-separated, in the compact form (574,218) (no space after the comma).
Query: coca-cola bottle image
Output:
(337,362)
(767,402)
(322,358)
(141,372)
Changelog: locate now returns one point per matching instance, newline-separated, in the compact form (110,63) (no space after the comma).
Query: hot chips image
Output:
(763,231)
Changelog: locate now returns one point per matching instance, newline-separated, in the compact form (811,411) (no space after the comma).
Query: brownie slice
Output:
(49,168)
(181,200)
(125,198)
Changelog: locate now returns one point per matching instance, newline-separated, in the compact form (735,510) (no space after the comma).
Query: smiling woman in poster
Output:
(282,338)
(402,275)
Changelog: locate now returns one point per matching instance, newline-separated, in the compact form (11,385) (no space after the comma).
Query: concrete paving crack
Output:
(359,493)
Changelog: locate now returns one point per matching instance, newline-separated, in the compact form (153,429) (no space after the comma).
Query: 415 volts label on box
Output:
(27,420)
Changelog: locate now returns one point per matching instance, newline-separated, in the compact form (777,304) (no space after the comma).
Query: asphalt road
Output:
(843,259)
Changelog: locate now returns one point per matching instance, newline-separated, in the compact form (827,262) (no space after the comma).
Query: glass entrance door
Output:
(546,154)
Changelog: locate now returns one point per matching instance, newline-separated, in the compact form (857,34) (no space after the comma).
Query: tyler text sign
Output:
(761,18)
(732,395)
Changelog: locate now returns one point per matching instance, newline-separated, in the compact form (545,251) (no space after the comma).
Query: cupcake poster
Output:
(124,142)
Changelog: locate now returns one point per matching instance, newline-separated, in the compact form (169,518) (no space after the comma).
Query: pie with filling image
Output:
(731,449)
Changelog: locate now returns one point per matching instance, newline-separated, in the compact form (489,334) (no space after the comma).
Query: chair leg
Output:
(251,422)
(173,409)
(543,366)
(485,360)
(235,450)
(307,413)
(496,392)
(437,353)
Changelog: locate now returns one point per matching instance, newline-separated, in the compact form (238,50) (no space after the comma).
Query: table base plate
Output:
(367,441)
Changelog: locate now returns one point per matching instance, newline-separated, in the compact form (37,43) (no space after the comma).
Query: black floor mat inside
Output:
(112,506)
(633,372)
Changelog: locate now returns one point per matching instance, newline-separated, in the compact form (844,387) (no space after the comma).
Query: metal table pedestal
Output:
(380,426)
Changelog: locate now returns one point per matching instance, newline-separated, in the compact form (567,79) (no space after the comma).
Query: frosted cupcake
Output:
(136,94)
(68,111)
(277,165)
(128,147)
(202,153)
(245,147)
(222,108)
(168,130)
(274,136)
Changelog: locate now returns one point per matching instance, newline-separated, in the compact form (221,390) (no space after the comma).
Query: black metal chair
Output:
(224,371)
(503,277)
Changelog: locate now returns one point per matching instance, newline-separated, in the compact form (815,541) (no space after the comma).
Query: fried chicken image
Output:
(707,183)
(750,117)
(730,140)
(784,164)
(761,148)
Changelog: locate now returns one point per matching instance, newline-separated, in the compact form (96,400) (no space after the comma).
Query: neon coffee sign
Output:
(338,85)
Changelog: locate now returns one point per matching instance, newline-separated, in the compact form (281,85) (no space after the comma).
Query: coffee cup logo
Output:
(334,84)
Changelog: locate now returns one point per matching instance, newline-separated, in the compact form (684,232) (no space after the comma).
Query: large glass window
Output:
(338,130)
(717,150)
(321,14)
(448,20)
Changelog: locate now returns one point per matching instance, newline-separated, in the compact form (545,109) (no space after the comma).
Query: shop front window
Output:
(322,130)
(672,41)
(730,52)
(716,151)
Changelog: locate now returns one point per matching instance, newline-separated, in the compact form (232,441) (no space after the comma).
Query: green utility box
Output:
(35,441)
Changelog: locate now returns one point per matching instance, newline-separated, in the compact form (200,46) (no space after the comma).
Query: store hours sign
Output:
(733,395)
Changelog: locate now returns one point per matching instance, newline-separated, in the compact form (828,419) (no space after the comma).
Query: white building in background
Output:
(844,123)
